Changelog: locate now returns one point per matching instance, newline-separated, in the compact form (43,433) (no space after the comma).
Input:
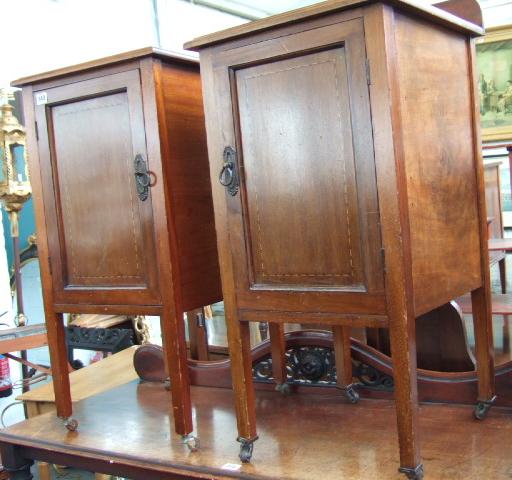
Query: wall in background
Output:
(53,33)
(496,12)
(26,225)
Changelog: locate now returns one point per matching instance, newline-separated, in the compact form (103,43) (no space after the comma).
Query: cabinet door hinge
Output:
(368,72)
(383,256)
(37,131)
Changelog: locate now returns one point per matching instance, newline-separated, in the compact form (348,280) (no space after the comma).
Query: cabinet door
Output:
(304,226)
(100,233)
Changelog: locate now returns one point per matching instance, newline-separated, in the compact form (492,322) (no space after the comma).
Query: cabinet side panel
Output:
(190,187)
(436,108)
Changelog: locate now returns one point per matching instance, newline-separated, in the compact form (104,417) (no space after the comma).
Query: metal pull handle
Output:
(142,177)
(228,176)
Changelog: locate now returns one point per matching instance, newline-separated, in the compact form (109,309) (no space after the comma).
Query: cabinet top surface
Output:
(419,7)
(101,62)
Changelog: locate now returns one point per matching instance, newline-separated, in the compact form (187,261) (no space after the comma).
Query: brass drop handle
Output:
(142,177)
(228,176)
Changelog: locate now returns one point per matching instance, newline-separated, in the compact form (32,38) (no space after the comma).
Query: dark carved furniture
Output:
(456,382)
(123,201)
(345,159)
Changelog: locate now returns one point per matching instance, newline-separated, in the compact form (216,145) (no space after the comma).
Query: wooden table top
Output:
(128,430)
(98,377)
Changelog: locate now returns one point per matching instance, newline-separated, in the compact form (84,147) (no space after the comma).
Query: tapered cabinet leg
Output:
(482,322)
(343,360)
(60,372)
(403,351)
(241,375)
(278,352)
(198,334)
(173,339)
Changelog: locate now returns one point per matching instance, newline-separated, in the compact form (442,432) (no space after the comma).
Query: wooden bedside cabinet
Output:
(345,162)
(124,213)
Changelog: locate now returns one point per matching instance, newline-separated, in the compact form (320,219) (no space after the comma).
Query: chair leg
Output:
(503,275)
(482,324)
(506,334)
(278,351)
(343,360)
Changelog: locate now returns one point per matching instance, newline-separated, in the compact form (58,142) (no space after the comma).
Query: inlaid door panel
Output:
(304,226)
(299,171)
(102,239)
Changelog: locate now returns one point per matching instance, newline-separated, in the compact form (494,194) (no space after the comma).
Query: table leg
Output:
(278,351)
(482,324)
(44,470)
(15,463)
(343,359)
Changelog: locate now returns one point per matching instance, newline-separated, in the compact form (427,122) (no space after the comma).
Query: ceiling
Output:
(253,9)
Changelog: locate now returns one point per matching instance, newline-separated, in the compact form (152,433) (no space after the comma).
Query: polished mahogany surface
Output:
(358,158)
(439,161)
(122,198)
(87,166)
(130,427)
(469,22)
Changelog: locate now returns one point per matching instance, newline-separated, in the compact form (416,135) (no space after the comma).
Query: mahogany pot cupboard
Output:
(124,213)
(345,161)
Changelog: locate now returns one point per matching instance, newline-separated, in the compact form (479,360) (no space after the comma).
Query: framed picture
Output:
(494,61)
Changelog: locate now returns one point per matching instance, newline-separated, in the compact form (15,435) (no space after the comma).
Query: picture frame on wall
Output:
(494,62)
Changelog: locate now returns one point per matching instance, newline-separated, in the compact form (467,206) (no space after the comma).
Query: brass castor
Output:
(246,449)
(351,394)
(283,388)
(70,423)
(191,442)
(413,473)
(482,408)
